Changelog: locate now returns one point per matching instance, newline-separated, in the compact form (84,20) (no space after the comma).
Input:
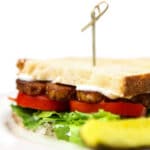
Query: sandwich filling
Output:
(71,98)
(44,107)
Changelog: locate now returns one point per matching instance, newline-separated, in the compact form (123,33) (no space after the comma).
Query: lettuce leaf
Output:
(27,117)
(62,131)
(75,135)
(66,125)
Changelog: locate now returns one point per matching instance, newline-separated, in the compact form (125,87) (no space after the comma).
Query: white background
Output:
(51,28)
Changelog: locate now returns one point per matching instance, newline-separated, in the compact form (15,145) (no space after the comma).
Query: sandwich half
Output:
(57,96)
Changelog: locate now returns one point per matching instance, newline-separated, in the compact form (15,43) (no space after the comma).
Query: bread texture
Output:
(45,129)
(124,77)
(40,138)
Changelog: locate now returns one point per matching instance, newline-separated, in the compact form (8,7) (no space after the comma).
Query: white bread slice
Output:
(124,77)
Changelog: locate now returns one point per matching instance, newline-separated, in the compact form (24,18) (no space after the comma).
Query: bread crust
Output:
(135,85)
(20,63)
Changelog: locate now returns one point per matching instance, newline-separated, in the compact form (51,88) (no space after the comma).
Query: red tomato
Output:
(41,103)
(121,108)
(124,108)
(83,107)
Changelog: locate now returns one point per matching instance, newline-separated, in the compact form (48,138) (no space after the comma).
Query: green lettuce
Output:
(66,125)
(62,131)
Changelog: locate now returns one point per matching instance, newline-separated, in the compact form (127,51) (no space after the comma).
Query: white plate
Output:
(22,139)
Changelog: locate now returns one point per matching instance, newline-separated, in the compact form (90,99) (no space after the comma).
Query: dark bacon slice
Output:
(142,98)
(60,91)
(90,96)
(31,87)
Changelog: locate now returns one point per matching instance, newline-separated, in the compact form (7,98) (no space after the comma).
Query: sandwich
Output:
(58,96)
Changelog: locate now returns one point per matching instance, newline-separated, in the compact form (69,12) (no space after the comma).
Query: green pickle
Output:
(118,134)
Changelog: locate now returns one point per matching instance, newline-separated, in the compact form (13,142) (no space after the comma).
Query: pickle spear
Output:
(117,134)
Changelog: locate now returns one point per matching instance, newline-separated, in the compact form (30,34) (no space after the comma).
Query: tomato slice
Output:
(121,108)
(83,107)
(41,103)
(124,108)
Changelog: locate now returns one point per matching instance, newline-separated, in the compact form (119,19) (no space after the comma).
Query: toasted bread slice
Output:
(123,77)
